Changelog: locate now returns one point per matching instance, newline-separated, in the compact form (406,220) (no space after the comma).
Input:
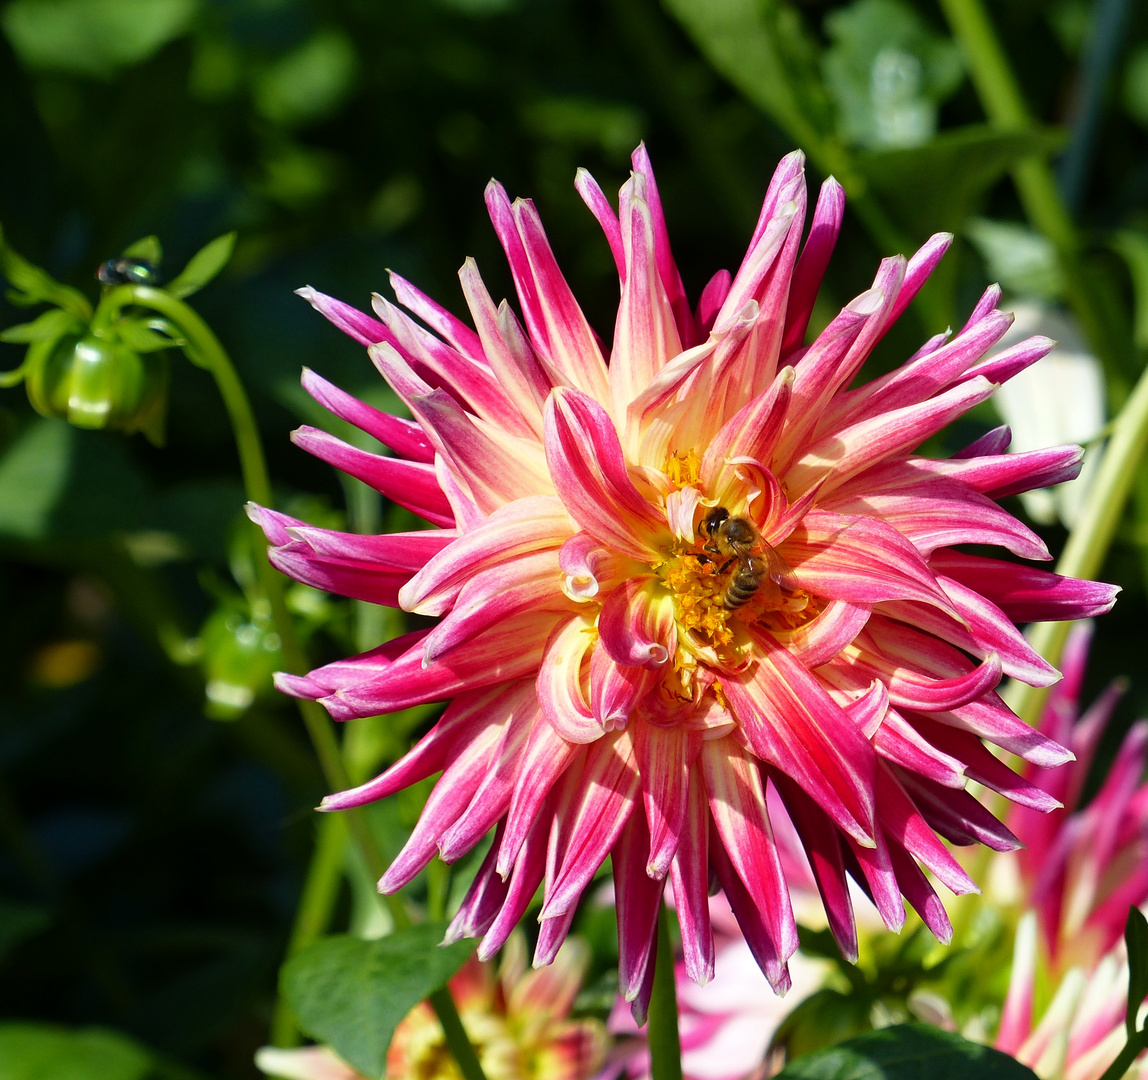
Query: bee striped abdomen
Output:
(745,582)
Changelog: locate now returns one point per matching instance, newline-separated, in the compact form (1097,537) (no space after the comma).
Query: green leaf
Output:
(351,993)
(33,475)
(46,1052)
(1017,256)
(1136,940)
(138,336)
(907,1052)
(148,249)
(310,82)
(51,324)
(887,72)
(93,37)
(33,286)
(934,187)
(203,266)
(751,43)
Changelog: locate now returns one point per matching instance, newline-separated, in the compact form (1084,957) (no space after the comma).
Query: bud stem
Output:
(205,350)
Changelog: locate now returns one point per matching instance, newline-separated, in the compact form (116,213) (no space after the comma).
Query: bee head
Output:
(714,520)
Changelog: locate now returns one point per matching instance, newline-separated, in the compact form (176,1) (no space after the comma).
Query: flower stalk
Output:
(665,1040)
(205,350)
(1001,98)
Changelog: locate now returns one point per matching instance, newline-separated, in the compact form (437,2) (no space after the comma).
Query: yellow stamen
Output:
(683,467)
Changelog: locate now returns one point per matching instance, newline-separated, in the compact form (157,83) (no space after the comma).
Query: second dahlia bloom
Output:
(676,573)
(1081,868)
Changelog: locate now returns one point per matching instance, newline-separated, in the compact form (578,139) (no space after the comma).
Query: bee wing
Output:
(780,572)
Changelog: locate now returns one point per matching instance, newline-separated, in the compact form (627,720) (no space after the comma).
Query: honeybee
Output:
(738,539)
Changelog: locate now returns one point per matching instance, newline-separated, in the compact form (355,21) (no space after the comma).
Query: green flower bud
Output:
(98,382)
(241,651)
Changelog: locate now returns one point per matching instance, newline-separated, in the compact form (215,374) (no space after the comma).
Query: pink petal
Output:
(364,329)
(465,719)
(560,681)
(460,336)
(500,592)
(823,637)
(791,722)
(508,351)
(842,454)
(665,757)
(450,797)
(741,820)
(636,624)
(511,650)
(811,266)
(943,514)
(484,899)
(711,300)
(591,819)
(690,878)
(921,895)
(858,559)
(986,629)
(518,529)
(819,838)
(491,798)
(905,827)
(667,268)
(409,483)
(468,382)
(752,432)
(741,848)
(645,333)
(559,331)
(546,757)
(595,198)
(616,689)
(404,437)
(1024,593)
(589,471)
(525,869)
(639,899)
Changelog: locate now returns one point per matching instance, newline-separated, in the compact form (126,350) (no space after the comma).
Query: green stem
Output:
(205,349)
(1090,539)
(1005,107)
(320,891)
(1124,1060)
(664,1040)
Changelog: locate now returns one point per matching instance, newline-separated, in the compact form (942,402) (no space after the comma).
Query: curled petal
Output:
(561,680)
(637,624)
(589,471)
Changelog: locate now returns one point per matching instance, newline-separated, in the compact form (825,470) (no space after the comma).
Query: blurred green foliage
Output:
(151,860)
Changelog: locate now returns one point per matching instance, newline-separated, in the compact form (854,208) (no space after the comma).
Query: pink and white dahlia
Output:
(673,573)
(1081,1031)
(1080,869)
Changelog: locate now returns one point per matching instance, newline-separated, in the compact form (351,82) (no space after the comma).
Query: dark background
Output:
(151,857)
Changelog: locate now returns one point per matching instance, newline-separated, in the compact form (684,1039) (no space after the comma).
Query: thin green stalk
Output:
(320,891)
(1001,98)
(205,349)
(1090,539)
(1132,1050)
(664,1040)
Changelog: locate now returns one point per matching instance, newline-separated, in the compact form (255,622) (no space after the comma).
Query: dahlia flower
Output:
(518,1021)
(628,673)
(1080,869)
(1081,1032)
